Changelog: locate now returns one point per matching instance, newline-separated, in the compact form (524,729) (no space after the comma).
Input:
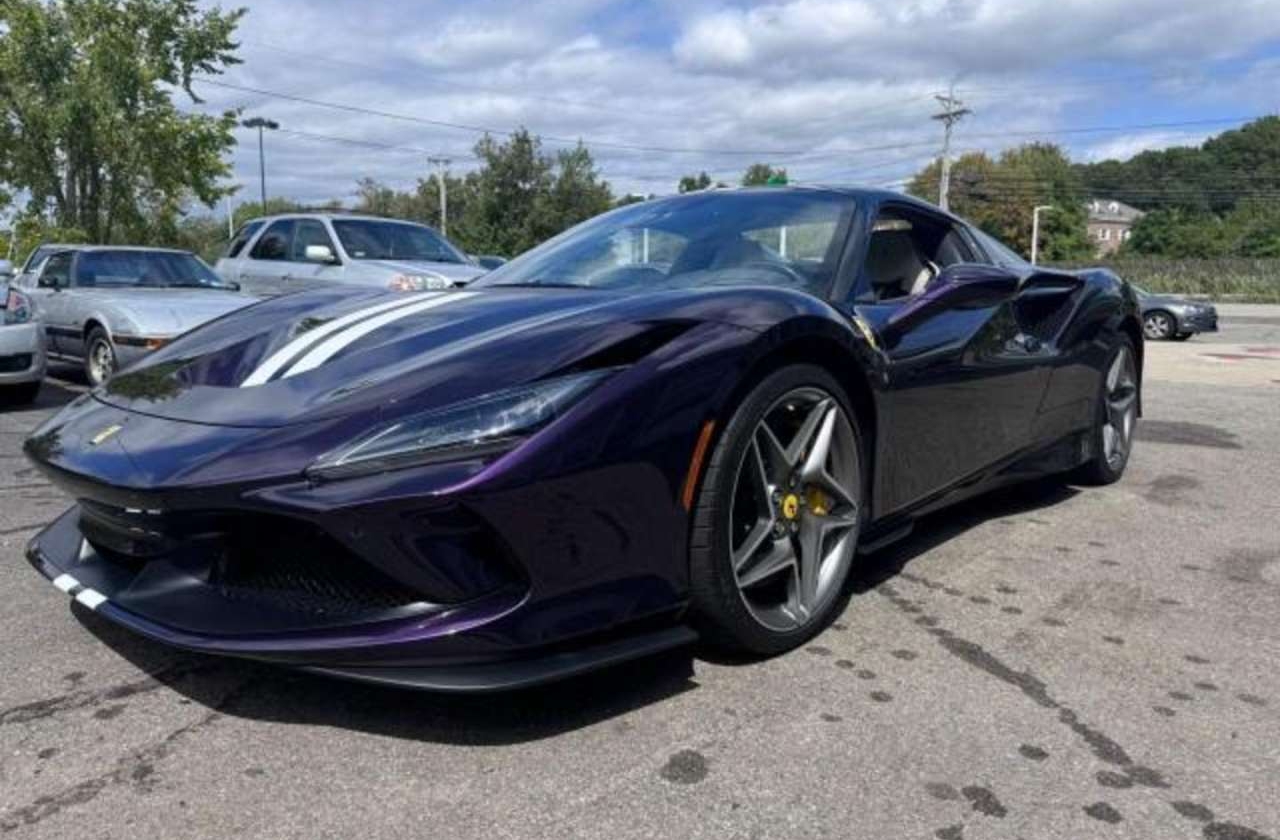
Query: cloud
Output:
(831,89)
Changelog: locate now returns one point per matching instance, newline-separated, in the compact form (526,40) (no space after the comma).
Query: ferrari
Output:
(686,418)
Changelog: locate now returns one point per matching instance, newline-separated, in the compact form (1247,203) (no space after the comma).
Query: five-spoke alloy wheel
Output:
(1117,418)
(776,527)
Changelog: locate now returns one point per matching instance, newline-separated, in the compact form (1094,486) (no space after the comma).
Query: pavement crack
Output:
(137,768)
(1035,689)
(50,706)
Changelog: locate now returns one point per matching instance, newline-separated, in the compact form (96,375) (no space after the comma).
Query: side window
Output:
(908,250)
(274,244)
(241,239)
(57,271)
(997,252)
(309,232)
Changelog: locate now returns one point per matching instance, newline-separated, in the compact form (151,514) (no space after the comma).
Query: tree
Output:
(761,174)
(999,196)
(694,183)
(88,126)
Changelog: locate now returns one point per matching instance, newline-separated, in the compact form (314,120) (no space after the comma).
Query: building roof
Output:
(1110,210)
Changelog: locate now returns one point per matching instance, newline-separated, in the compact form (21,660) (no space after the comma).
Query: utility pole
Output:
(953,111)
(442,168)
(1035,229)
(261,123)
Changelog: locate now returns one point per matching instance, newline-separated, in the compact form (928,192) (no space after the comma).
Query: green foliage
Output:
(998,195)
(1223,278)
(694,183)
(762,174)
(519,196)
(1214,177)
(88,126)
(1252,229)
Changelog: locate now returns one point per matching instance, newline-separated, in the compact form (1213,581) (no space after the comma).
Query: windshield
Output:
(759,237)
(150,269)
(365,239)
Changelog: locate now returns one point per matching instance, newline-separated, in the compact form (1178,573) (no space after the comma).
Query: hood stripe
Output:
(310,338)
(329,348)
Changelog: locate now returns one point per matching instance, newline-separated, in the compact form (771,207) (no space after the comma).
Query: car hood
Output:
(457,272)
(325,354)
(164,312)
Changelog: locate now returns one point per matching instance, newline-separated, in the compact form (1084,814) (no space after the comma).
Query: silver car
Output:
(107,306)
(286,253)
(22,356)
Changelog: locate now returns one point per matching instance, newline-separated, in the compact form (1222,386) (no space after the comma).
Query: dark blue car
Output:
(685,416)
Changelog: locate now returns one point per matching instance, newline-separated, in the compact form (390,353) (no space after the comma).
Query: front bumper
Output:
(416,649)
(22,354)
(1198,322)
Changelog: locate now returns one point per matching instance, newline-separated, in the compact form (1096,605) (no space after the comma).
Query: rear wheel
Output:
(777,518)
(1158,326)
(99,357)
(1117,417)
(1182,337)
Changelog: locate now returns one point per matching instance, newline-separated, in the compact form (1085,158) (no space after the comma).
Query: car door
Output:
(50,293)
(962,385)
(267,266)
(306,273)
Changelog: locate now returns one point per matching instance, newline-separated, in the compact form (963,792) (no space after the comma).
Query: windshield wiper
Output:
(544,285)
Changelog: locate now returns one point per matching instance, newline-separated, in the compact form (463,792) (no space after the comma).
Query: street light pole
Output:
(261,123)
(1035,229)
(442,166)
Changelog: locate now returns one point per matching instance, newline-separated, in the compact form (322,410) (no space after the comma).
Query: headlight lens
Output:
(417,282)
(481,427)
(17,307)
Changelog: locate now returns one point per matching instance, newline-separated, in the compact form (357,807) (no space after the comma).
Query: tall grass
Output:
(1227,278)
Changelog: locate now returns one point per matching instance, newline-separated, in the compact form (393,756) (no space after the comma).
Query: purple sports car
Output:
(687,416)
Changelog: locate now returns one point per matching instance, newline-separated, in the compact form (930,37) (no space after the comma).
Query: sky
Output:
(836,91)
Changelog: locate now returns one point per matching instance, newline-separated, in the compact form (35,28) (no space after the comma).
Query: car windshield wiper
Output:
(195,284)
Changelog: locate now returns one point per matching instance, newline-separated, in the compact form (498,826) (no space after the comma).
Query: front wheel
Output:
(1116,418)
(99,357)
(776,522)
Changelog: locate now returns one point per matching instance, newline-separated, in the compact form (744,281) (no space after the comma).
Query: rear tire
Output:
(1182,337)
(786,475)
(99,357)
(1116,418)
(1159,326)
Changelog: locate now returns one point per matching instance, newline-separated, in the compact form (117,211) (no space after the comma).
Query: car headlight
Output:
(479,428)
(17,308)
(417,282)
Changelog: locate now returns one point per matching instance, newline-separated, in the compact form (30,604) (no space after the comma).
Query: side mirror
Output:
(959,286)
(320,254)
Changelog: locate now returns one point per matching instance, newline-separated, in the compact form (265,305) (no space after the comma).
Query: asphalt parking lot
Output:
(1047,662)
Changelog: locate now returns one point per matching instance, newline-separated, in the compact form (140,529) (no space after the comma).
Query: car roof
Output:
(864,195)
(334,216)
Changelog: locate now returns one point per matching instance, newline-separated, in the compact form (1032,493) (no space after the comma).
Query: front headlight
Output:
(478,428)
(417,282)
(17,308)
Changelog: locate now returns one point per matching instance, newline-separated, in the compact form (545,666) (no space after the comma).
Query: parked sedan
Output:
(1173,318)
(106,307)
(22,356)
(296,252)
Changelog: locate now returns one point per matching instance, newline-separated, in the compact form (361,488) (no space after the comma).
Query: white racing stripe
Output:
(285,354)
(91,598)
(324,351)
(65,582)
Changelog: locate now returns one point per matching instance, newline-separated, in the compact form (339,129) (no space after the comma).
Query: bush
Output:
(1226,278)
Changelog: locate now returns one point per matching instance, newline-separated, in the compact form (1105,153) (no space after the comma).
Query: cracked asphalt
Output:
(1044,662)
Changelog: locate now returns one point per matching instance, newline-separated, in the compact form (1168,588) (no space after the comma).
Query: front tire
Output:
(776,521)
(1116,418)
(99,357)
